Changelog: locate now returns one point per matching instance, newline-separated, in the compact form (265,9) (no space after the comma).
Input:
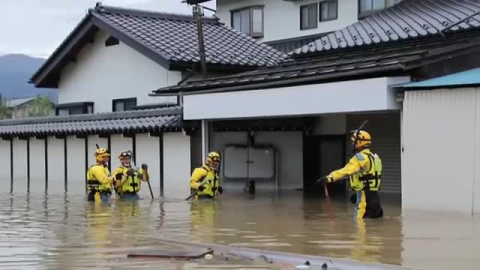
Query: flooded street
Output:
(58,232)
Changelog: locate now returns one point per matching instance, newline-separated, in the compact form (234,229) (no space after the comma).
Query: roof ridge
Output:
(177,110)
(147,13)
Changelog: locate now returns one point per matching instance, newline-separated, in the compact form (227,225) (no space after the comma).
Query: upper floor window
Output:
(74,108)
(328,10)
(308,16)
(125,104)
(368,7)
(249,21)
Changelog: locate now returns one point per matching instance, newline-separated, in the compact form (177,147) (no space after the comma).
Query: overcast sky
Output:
(37,27)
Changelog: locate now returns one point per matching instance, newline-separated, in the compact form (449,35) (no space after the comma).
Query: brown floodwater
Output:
(65,232)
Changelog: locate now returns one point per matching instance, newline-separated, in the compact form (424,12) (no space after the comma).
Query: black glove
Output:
(324,180)
(144,166)
(130,172)
(201,188)
(118,176)
(220,189)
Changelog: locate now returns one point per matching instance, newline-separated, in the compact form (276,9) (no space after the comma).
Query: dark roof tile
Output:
(406,20)
(117,122)
(337,65)
(168,39)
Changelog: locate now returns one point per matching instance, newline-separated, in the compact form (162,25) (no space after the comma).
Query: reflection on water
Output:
(68,233)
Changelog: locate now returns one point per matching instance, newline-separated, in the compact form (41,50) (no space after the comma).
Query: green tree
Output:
(5,112)
(41,106)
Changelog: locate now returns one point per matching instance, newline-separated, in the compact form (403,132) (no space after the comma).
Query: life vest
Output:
(132,185)
(93,184)
(209,181)
(367,180)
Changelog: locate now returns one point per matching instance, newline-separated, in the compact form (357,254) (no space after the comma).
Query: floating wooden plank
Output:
(172,254)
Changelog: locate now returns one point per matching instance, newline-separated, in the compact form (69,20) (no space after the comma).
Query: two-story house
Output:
(104,71)
(290,24)
(293,121)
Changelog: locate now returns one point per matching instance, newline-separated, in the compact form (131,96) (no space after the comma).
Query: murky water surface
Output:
(58,232)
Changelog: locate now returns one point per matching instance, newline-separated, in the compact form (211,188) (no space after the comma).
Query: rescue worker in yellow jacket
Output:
(204,182)
(365,172)
(99,181)
(128,179)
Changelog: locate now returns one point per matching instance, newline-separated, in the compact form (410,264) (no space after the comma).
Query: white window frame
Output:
(313,6)
(387,4)
(250,19)
(327,3)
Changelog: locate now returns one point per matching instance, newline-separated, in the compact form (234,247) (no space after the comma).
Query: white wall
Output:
(37,166)
(119,144)
(19,166)
(5,161)
(101,74)
(376,95)
(76,165)
(282,18)
(148,148)
(177,165)
(56,166)
(218,141)
(440,160)
(289,146)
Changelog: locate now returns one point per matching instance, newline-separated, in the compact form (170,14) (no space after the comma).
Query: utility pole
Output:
(198,14)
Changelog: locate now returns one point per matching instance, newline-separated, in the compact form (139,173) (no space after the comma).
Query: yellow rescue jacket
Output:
(128,184)
(206,177)
(99,179)
(364,170)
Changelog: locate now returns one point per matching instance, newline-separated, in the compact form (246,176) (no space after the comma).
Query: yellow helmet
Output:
(361,139)
(213,157)
(100,153)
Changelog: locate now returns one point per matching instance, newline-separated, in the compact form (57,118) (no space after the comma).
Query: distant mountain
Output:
(15,72)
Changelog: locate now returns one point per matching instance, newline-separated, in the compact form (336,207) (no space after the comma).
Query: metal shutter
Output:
(385,131)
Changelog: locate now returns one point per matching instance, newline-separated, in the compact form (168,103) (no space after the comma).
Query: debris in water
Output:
(175,254)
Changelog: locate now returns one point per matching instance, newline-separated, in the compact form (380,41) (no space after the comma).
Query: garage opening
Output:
(323,154)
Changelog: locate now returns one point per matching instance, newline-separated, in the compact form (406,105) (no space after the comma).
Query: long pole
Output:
(148,180)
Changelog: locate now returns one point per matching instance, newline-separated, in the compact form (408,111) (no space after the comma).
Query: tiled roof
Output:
(174,37)
(351,64)
(166,119)
(409,19)
(168,39)
(290,44)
